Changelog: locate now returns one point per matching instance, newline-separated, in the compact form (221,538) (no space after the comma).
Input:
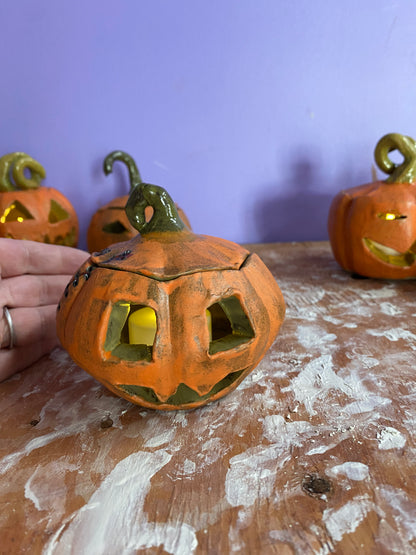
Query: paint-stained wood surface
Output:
(314,453)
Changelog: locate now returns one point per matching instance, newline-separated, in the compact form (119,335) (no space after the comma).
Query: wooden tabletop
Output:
(315,451)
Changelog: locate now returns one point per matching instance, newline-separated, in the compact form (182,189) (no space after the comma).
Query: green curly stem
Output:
(6,162)
(15,164)
(165,215)
(134,174)
(399,173)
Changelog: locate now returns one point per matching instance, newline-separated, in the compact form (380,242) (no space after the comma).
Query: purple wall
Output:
(253,114)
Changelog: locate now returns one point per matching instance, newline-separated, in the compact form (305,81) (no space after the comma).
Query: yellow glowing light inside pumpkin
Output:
(390,216)
(14,213)
(7,212)
(209,322)
(142,326)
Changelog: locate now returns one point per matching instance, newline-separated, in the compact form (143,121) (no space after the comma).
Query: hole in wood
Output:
(316,485)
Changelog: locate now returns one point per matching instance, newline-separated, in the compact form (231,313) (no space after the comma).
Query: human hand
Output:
(33,277)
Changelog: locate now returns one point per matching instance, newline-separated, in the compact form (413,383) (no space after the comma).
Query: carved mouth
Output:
(389,255)
(184,395)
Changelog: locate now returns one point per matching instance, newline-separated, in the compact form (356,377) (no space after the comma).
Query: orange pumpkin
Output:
(216,310)
(110,224)
(372,227)
(28,211)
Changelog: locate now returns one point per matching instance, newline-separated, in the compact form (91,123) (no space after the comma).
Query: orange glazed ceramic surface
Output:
(372,227)
(217,310)
(29,211)
(110,224)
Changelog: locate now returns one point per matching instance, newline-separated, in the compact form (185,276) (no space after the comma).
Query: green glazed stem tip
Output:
(165,215)
(15,164)
(119,155)
(398,173)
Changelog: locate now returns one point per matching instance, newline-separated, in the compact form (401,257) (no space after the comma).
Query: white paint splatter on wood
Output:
(353,470)
(390,438)
(114,515)
(346,519)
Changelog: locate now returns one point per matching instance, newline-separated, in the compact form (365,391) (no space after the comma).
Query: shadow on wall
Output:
(298,212)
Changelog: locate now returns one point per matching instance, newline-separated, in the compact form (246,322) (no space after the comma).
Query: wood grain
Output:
(313,453)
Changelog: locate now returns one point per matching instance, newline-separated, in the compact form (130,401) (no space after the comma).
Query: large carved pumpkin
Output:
(169,319)
(29,211)
(110,224)
(372,227)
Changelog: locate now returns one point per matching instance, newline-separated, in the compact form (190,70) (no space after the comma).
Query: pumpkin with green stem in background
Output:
(372,227)
(30,211)
(110,224)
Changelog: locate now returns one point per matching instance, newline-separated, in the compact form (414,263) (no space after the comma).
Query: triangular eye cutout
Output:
(57,213)
(15,212)
(230,326)
(115,227)
(131,331)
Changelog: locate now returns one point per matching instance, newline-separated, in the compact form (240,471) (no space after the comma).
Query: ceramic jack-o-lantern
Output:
(110,224)
(170,319)
(29,211)
(372,227)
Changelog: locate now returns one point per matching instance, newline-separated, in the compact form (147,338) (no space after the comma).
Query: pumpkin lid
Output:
(166,248)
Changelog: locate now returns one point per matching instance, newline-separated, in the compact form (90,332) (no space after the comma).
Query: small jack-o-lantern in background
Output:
(29,211)
(372,227)
(169,319)
(110,224)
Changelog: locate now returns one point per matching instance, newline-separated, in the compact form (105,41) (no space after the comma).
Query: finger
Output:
(32,290)
(29,257)
(17,359)
(30,326)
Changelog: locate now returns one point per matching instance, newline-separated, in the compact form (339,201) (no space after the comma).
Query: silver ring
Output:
(10,324)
